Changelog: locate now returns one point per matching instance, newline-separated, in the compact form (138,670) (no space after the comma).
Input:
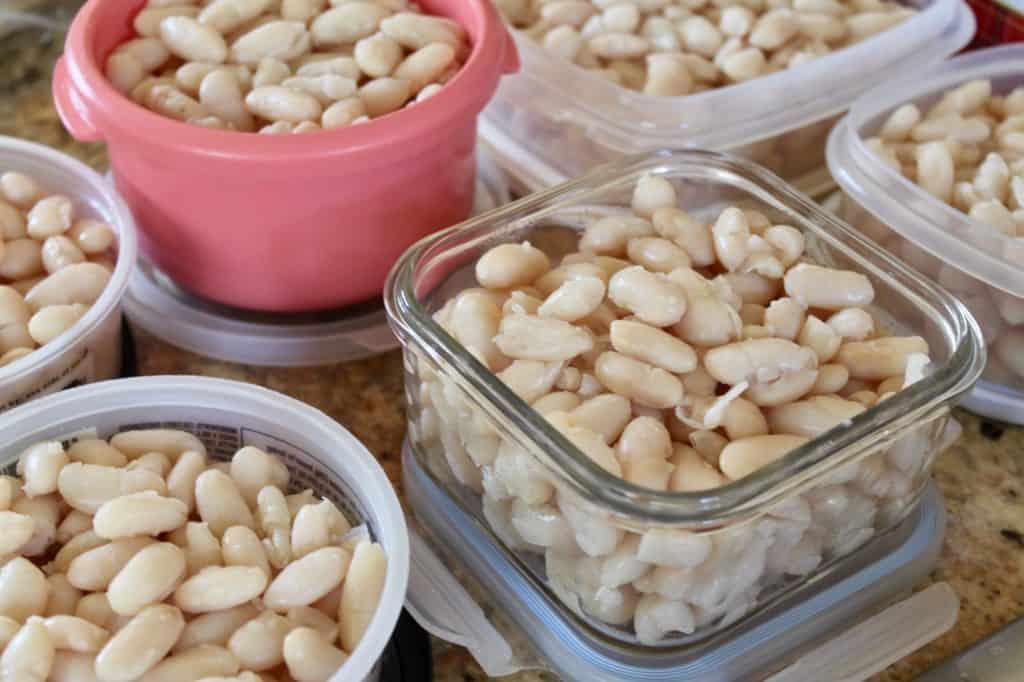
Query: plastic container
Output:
(227,415)
(91,349)
(822,494)
(284,223)
(559,117)
(974,261)
(480,601)
(158,305)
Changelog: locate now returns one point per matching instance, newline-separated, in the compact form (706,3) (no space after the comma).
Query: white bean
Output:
(23,590)
(149,577)
(220,504)
(360,594)
(305,580)
(310,657)
(185,37)
(216,588)
(140,644)
(142,513)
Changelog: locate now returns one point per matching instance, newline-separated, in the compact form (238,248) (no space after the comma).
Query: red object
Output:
(284,222)
(998,22)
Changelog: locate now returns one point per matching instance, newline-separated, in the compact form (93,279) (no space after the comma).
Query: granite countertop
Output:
(981,477)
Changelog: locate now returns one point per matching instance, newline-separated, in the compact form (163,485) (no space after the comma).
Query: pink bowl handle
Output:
(70,108)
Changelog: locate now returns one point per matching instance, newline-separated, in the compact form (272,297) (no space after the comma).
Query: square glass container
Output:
(555,119)
(740,547)
(983,267)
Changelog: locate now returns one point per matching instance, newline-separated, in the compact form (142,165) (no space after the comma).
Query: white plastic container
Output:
(553,120)
(227,415)
(972,260)
(175,316)
(91,349)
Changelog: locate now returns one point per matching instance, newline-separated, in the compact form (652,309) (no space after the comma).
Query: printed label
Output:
(78,372)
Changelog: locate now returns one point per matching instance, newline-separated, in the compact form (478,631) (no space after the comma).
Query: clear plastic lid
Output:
(156,304)
(822,628)
(942,230)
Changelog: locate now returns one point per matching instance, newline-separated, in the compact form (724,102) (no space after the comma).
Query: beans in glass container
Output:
(139,558)
(967,151)
(679,47)
(288,67)
(54,264)
(679,352)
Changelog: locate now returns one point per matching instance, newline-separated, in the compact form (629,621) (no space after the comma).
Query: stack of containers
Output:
(456,402)
(979,264)
(554,120)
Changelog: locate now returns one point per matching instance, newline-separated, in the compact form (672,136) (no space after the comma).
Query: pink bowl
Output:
(284,222)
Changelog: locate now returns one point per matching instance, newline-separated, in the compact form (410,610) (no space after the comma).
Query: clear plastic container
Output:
(91,349)
(980,265)
(227,415)
(464,589)
(559,116)
(820,502)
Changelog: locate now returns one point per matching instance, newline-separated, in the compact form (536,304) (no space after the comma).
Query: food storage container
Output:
(981,266)
(91,349)
(284,222)
(155,303)
(554,120)
(227,415)
(464,588)
(746,544)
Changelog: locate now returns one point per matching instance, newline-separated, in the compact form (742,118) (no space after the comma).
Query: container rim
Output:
(739,114)
(932,225)
(881,424)
(492,53)
(199,392)
(127,252)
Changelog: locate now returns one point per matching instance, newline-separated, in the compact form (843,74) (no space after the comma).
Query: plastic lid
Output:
(156,304)
(942,230)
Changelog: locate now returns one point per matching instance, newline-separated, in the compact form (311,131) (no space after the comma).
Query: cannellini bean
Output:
(819,337)
(23,590)
(384,95)
(611,235)
(94,569)
(831,379)
(76,546)
(221,93)
(147,21)
(29,654)
(378,55)
(691,472)
(149,577)
(141,513)
(220,504)
(63,597)
(278,103)
(87,487)
(880,358)
(653,346)
(813,416)
(40,465)
(53,320)
(192,41)
(95,451)
(270,71)
(815,286)
(651,194)
(215,628)
(73,525)
(140,644)
(305,580)
(529,337)
(573,299)
(757,359)
(199,662)
(304,616)
(360,593)
(639,381)
(58,252)
(511,265)
(656,300)
(253,469)
(745,456)
(95,608)
(606,415)
(50,216)
(283,40)
(71,667)
(348,23)
(310,657)
(259,643)
(77,283)
(228,15)
(275,522)
(21,259)
(216,588)
(695,237)
(855,324)
(12,222)
(45,512)
(71,633)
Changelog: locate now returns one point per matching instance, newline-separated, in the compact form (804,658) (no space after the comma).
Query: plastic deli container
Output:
(227,415)
(464,588)
(554,121)
(978,264)
(158,305)
(818,495)
(284,222)
(91,349)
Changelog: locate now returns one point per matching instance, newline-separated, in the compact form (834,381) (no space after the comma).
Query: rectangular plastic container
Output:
(554,121)
(464,589)
(981,266)
(822,495)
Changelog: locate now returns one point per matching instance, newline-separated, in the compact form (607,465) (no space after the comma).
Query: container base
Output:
(535,633)
(996,402)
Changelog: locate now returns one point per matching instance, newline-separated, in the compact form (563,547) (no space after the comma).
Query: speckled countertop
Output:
(981,477)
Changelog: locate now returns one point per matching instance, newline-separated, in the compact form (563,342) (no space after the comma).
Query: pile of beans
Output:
(678,47)
(677,355)
(290,66)
(141,559)
(54,264)
(967,150)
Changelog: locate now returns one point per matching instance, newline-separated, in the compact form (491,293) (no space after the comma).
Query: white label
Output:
(79,372)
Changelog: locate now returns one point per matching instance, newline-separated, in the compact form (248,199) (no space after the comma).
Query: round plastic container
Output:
(554,121)
(284,222)
(155,303)
(91,349)
(981,266)
(227,415)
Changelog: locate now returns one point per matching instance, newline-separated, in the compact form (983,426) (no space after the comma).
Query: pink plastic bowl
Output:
(284,222)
